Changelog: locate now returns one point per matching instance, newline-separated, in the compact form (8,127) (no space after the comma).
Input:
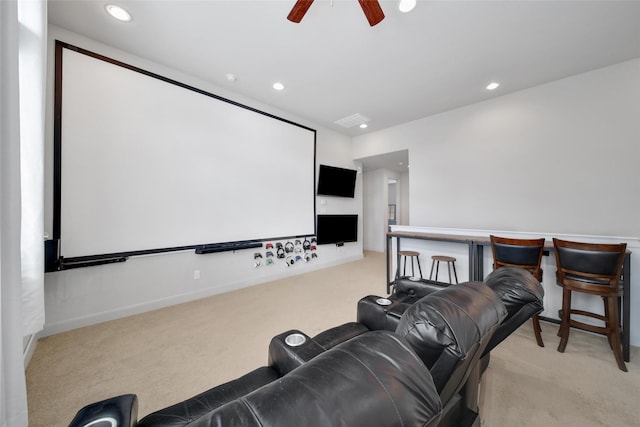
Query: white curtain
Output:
(32,15)
(22,80)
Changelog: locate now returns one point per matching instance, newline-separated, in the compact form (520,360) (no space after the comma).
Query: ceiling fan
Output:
(371,9)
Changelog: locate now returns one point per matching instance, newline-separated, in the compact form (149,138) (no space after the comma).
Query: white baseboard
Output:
(30,348)
(95,318)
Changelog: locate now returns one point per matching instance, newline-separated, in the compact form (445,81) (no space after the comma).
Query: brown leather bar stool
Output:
(593,269)
(412,255)
(451,261)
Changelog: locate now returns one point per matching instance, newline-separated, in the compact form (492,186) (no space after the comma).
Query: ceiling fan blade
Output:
(299,9)
(372,11)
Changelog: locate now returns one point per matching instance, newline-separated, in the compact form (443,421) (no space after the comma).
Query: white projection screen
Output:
(147,164)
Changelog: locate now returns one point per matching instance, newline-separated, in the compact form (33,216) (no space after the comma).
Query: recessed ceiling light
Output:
(117,12)
(364,126)
(231,77)
(278,86)
(493,85)
(406,5)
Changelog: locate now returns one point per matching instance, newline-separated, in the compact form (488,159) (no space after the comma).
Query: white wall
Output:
(405,184)
(81,297)
(557,159)
(375,196)
(561,157)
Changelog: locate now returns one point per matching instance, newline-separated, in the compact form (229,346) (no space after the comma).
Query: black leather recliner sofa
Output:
(333,389)
(520,292)
(413,362)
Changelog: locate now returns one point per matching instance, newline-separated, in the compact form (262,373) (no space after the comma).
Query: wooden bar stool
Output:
(451,261)
(593,269)
(412,255)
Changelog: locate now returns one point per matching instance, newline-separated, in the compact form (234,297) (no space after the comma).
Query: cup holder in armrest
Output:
(295,339)
(291,349)
(383,301)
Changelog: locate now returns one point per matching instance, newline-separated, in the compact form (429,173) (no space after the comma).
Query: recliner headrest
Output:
(516,287)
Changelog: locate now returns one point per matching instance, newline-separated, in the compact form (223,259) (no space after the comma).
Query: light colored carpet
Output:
(582,387)
(168,355)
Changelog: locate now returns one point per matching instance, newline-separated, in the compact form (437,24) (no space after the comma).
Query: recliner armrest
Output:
(285,356)
(379,317)
(119,411)
(339,334)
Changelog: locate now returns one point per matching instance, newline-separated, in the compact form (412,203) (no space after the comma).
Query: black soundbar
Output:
(225,247)
(66,264)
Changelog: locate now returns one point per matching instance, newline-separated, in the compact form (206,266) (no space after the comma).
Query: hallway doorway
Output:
(385,197)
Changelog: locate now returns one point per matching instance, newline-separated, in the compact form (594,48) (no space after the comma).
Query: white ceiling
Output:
(438,57)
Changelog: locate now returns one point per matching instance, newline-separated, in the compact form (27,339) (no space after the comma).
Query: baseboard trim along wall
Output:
(79,322)
(31,342)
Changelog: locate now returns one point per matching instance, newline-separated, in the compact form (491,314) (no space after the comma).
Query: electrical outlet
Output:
(196,274)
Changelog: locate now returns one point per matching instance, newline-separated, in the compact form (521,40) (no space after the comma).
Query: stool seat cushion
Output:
(409,253)
(443,258)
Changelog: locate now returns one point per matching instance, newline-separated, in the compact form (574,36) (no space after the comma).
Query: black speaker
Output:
(51,256)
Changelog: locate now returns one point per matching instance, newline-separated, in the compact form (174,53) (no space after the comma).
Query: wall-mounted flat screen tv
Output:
(337,228)
(334,181)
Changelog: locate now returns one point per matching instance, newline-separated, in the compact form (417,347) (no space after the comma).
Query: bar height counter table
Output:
(451,238)
(476,246)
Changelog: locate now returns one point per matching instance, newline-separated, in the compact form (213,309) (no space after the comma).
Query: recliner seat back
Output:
(450,329)
(374,379)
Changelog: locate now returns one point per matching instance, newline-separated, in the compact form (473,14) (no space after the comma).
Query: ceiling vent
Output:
(352,120)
